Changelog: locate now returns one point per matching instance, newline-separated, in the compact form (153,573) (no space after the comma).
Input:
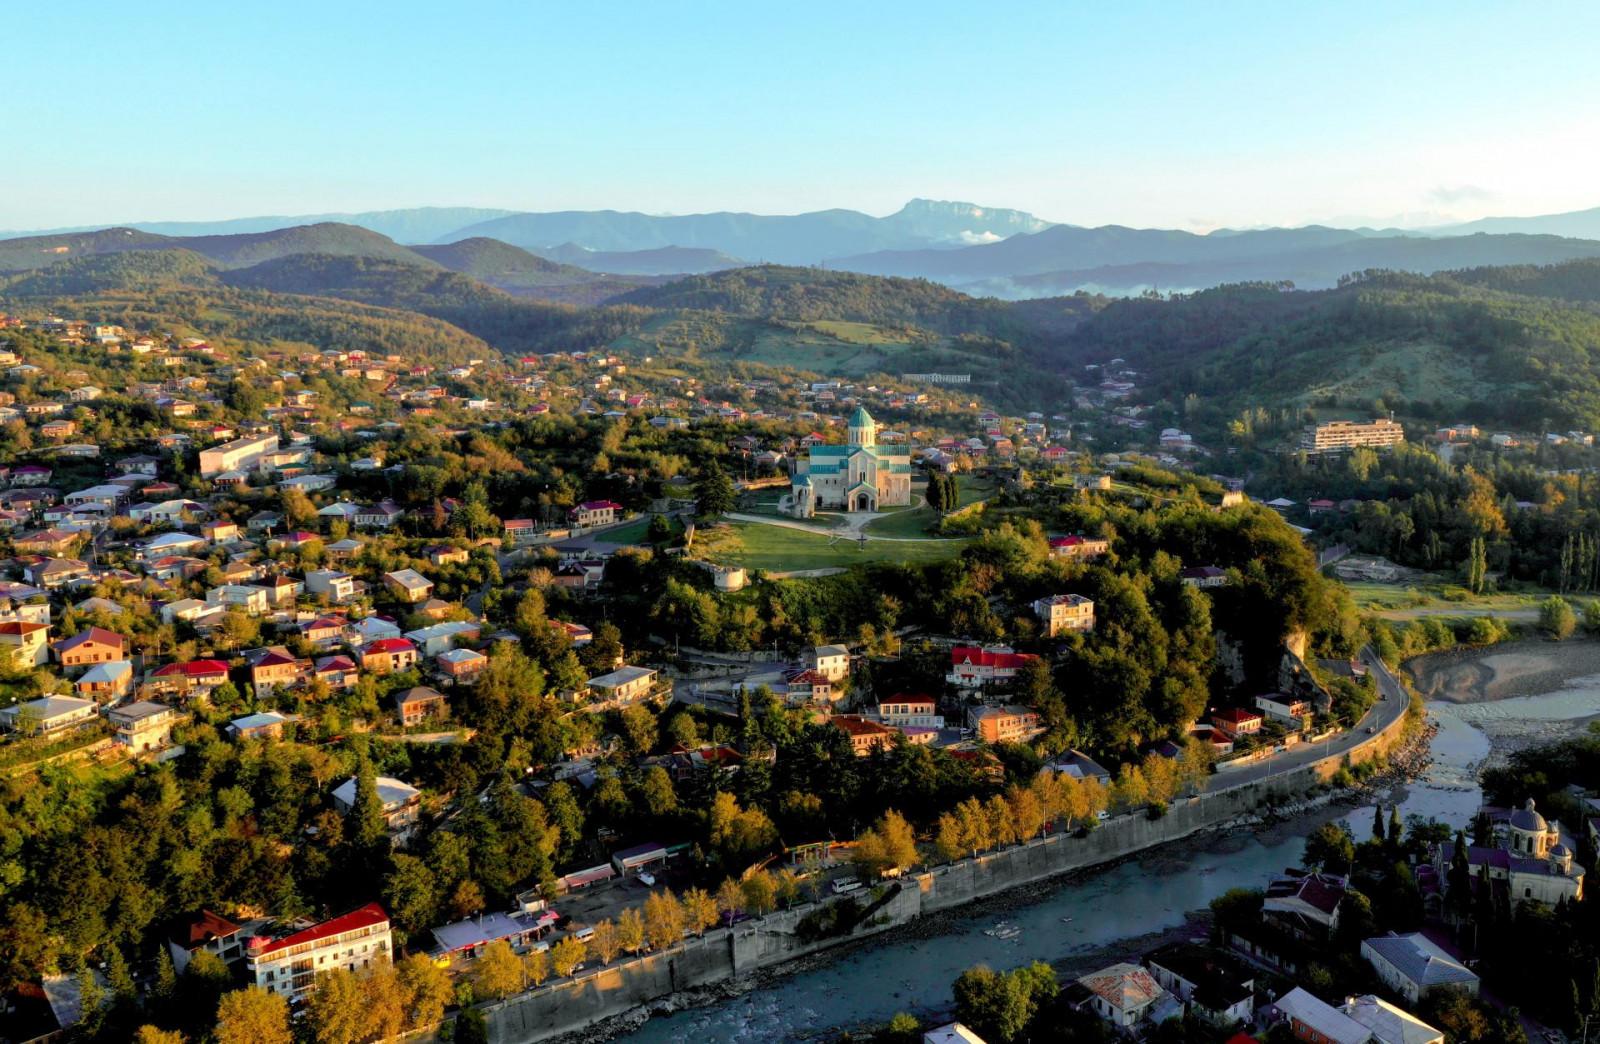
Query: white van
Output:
(845,884)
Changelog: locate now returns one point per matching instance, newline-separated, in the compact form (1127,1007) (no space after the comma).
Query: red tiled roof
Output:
(368,916)
(193,669)
(390,645)
(204,927)
(92,634)
(905,698)
(22,627)
(985,658)
(855,726)
(1236,715)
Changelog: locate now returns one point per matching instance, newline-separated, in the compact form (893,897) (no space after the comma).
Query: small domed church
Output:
(858,476)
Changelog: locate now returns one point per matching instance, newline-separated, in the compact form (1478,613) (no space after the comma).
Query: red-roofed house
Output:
(387,655)
(865,736)
(520,530)
(185,679)
(26,642)
(288,965)
(973,667)
(594,513)
(337,672)
(1236,721)
(204,931)
(1122,994)
(90,646)
(808,685)
(274,667)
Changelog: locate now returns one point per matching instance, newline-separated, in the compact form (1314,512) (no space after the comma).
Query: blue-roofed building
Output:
(465,940)
(858,476)
(265,725)
(1413,966)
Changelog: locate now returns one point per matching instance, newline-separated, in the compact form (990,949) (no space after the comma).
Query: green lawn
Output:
(913,522)
(777,549)
(1434,595)
(634,532)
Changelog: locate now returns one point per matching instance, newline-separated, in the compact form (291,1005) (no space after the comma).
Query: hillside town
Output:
(572,658)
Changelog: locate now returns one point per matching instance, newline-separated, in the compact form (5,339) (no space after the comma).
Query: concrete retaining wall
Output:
(570,1005)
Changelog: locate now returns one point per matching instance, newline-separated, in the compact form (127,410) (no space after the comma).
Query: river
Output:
(1091,913)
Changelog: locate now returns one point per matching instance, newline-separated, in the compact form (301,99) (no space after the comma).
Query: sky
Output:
(1179,115)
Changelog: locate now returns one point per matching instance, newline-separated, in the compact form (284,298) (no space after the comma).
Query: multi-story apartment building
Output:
(238,455)
(288,965)
(1337,436)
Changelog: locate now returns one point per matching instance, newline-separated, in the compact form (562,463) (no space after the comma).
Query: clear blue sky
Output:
(1176,115)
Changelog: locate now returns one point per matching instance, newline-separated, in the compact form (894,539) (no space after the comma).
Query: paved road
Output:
(1383,713)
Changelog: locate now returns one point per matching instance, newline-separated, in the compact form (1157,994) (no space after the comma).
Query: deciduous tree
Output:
(252,1016)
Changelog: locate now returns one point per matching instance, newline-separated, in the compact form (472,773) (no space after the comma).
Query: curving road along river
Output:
(1085,914)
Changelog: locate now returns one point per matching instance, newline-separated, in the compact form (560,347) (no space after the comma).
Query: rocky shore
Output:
(1520,668)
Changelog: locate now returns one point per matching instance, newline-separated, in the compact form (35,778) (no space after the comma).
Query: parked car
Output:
(647,879)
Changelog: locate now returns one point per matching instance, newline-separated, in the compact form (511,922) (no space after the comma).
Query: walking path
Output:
(851,530)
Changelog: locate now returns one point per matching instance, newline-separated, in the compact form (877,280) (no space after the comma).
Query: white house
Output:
(1413,967)
(831,661)
(1122,994)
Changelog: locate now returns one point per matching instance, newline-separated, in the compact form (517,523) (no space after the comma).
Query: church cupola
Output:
(863,429)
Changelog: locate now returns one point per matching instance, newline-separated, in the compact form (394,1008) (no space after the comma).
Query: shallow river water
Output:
(1089,912)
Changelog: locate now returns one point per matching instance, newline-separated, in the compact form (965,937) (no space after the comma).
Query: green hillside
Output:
(228,250)
(28,252)
(509,323)
(134,270)
(503,265)
(1435,347)
(812,294)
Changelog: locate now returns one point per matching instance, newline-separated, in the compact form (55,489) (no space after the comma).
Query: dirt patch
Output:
(1521,668)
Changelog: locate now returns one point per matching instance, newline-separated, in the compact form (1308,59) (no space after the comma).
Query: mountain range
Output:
(586,257)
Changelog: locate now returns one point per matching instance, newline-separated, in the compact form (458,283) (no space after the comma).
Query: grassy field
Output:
(1441,597)
(918,522)
(778,549)
(632,533)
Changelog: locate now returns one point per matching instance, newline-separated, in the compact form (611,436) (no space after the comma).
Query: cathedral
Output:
(858,476)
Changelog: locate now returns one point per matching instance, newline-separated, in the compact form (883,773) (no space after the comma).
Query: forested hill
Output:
(813,294)
(229,250)
(130,271)
(509,323)
(501,264)
(1442,347)
(1577,281)
(1516,346)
